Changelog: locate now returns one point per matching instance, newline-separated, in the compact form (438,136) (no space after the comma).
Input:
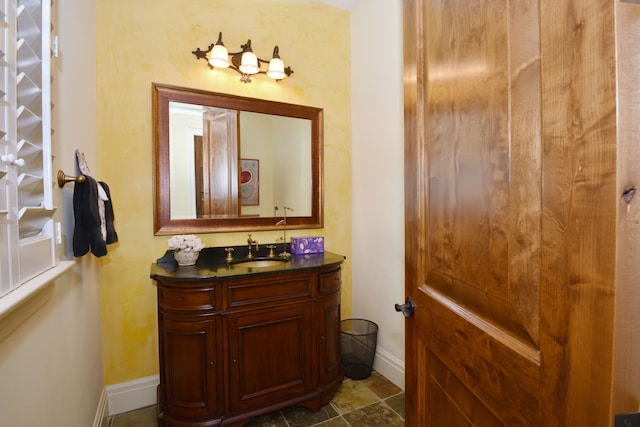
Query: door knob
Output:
(407,308)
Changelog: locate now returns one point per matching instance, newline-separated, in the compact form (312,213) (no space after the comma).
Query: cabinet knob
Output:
(323,338)
(211,364)
(181,299)
(10,159)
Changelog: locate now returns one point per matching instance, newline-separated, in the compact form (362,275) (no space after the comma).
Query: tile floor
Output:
(373,402)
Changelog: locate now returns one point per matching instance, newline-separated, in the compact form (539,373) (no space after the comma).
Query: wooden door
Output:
(190,389)
(328,328)
(198,167)
(269,356)
(511,206)
(220,172)
(328,339)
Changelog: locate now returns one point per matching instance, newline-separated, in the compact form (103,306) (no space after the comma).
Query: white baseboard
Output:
(131,395)
(103,409)
(390,367)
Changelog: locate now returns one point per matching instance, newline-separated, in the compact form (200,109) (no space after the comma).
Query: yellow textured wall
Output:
(144,41)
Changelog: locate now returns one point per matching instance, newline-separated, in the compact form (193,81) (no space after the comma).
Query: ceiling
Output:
(342,4)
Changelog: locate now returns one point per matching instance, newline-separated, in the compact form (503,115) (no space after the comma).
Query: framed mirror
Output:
(230,163)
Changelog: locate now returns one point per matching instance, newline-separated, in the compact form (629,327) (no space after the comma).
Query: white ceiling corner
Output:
(342,4)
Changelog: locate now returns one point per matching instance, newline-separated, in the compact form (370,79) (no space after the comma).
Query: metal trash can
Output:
(358,340)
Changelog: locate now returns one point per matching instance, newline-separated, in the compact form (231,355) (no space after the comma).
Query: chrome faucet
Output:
(252,242)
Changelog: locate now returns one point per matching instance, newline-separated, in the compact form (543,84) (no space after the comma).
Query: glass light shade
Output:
(249,64)
(219,57)
(276,69)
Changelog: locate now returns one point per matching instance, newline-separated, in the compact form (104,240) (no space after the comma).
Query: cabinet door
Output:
(189,370)
(270,356)
(329,339)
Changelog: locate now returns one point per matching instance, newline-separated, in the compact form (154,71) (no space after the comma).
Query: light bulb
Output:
(219,56)
(276,69)
(249,64)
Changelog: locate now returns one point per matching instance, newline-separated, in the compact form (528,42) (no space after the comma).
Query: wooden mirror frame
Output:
(162,95)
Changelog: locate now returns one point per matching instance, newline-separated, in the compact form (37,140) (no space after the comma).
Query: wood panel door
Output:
(511,206)
(328,339)
(220,172)
(190,372)
(269,356)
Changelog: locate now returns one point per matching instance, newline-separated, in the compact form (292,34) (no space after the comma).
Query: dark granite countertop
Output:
(212,264)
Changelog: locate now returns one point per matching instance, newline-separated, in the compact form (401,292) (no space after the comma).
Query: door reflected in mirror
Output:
(229,163)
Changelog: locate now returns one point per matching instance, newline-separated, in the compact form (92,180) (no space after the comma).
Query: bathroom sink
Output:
(264,262)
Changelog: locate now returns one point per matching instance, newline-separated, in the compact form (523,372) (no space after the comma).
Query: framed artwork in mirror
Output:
(250,182)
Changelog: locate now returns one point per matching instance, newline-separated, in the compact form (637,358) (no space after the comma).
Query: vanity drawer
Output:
(187,299)
(279,288)
(329,282)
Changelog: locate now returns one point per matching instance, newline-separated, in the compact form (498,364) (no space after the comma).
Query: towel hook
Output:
(64,178)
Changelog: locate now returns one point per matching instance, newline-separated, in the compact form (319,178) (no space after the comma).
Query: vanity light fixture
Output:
(245,62)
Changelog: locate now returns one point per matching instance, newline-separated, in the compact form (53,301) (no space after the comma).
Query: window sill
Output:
(31,295)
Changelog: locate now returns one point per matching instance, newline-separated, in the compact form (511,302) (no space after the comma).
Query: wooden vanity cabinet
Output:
(235,348)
